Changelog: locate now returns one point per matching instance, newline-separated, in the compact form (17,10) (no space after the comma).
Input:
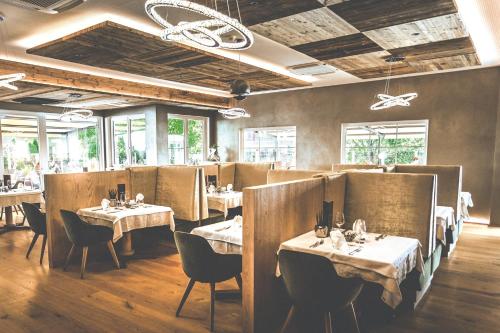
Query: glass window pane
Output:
(385,144)
(73,146)
(120,141)
(270,145)
(196,138)
(21,148)
(138,140)
(176,140)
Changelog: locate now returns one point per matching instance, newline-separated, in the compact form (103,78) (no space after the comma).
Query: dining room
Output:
(249,166)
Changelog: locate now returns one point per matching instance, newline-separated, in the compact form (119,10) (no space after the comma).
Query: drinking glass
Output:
(339,220)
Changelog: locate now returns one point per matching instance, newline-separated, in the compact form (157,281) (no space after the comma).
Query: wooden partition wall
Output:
(273,214)
(72,192)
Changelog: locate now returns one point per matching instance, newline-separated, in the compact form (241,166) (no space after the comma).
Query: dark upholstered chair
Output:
(37,222)
(313,285)
(83,235)
(202,264)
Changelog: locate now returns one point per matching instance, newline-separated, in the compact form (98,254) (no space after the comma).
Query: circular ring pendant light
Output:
(208,32)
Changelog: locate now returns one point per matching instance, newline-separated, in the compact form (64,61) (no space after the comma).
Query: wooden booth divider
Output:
(73,191)
(273,214)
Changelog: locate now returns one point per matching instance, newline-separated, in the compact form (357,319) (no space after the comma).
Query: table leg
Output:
(10,225)
(127,249)
(9,220)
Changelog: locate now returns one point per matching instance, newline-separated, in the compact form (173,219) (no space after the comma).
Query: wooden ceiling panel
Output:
(382,71)
(258,11)
(339,47)
(444,63)
(303,28)
(113,46)
(361,61)
(419,32)
(25,89)
(447,48)
(367,15)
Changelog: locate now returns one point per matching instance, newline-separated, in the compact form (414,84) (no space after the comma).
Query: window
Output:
(73,146)
(270,144)
(20,147)
(387,143)
(41,143)
(129,140)
(187,139)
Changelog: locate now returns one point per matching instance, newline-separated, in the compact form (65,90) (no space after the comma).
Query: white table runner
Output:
(224,237)
(445,219)
(124,220)
(222,202)
(386,262)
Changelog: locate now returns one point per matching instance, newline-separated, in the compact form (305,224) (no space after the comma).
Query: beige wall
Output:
(461,108)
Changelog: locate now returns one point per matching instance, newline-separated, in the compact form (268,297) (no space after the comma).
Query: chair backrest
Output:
(311,281)
(73,226)
(196,254)
(35,217)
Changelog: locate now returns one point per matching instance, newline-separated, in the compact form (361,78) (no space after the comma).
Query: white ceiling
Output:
(24,29)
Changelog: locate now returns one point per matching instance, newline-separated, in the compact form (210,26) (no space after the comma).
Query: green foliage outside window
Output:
(88,139)
(400,151)
(122,150)
(33,147)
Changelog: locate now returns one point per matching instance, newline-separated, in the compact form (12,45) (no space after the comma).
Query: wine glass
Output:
(339,220)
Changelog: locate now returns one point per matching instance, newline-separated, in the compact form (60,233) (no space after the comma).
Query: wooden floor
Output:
(465,295)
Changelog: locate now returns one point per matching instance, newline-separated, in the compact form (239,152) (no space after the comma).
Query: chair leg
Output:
(328,323)
(84,261)
(68,258)
(33,241)
(1,214)
(185,296)
(239,282)
(354,319)
(43,248)
(15,208)
(212,306)
(288,320)
(113,254)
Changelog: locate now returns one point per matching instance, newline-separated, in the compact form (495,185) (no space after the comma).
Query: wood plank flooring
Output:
(465,295)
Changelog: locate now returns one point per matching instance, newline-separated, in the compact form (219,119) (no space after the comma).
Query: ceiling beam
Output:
(69,79)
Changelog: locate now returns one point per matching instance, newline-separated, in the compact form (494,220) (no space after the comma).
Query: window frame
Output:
(241,154)
(206,136)
(128,119)
(346,126)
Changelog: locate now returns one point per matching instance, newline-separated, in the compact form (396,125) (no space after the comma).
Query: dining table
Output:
(223,201)
(465,203)
(14,198)
(224,237)
(382,259)
(445,219)
(125,219)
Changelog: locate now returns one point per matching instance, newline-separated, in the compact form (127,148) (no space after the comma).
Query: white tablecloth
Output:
(224,237)
(225,200)
(125,220)
(445,219)
(386,262)
(465,203)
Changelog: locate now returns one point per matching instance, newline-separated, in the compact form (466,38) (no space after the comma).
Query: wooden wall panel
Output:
(73,191)
(273,214)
